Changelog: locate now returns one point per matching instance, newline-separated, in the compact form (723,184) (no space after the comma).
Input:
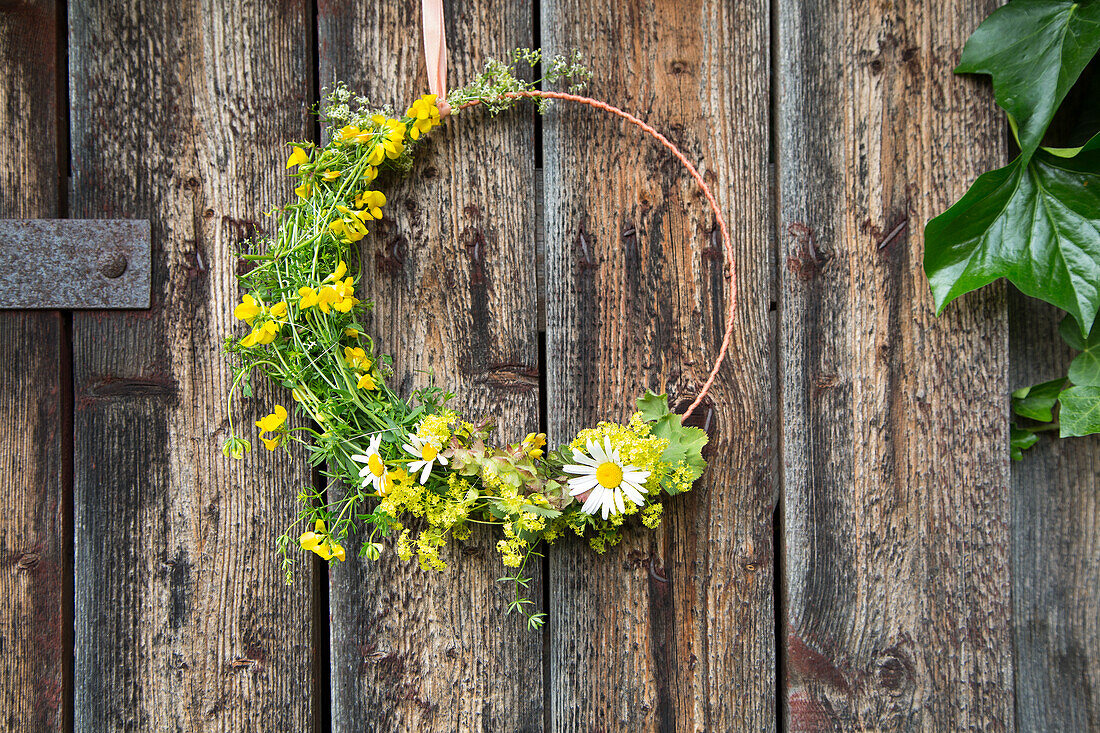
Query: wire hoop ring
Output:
(727,246)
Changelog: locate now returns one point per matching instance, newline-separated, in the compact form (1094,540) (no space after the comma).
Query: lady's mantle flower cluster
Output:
(418,473)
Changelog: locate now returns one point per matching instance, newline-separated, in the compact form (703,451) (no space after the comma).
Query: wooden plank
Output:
(72,263)
(1055,548)
(452,273)
(33,556)
(670,630)
(183,621)
(894,422)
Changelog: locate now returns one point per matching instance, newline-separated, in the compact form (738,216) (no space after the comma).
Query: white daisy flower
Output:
(605,478)
(374,472)
(427,454)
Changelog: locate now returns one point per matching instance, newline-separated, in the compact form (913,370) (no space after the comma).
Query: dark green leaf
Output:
(1021,440)
(1034,50)
(1037,401)
(1084,370)
(1080,411)
(1037,225)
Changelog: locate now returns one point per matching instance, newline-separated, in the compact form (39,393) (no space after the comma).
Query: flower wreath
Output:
(419,470)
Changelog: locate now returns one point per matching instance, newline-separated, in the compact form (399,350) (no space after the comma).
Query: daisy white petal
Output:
(424,474)
(594,501)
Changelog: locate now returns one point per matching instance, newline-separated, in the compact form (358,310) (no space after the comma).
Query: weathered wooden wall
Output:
(670,630)
(33,554)
(894,423)
(183,621)
(856,557)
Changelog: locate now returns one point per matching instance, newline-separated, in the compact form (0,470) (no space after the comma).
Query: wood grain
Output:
(452,273)
(183,622)
(1055,548)
(670,630)
(33,555)
(895,461)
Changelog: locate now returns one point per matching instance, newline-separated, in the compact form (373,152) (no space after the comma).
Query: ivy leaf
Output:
(1035,50)
(1037,401)
(1035,223)
(1021,439)
(1080,411)
(1085,368)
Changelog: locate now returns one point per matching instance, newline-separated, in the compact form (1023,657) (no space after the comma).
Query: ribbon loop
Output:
(435,51)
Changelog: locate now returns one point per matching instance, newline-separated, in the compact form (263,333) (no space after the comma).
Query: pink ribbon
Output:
(435,51)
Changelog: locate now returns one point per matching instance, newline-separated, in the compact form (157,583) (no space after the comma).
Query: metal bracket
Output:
(74,264)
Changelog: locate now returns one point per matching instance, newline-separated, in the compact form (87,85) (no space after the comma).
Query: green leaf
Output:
(1080,411)
(653,406)
(1037,401)
(1084,370)
(1036,224)
(1020,440)
(684,443)
(1035,50)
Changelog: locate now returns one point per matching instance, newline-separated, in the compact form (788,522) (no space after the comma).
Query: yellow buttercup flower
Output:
(309,540)
(248,309)
(319,542)
(370,173)
(308,298)
(297,157)
(366,381)
(351,333)
(279,309)
(274,421)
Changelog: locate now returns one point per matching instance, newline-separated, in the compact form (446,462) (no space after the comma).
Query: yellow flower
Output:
(248,309)
(351,333)
(304,190)
(307,298)
(366,381)
(267,332)
(271,443)
(309,540)
(534,443)
(371,202)
(356,357)
(327,298)
(341,270)
(425,115)
(264,334)
(274,421)
(376,155)
(370,173)
(279,309)
(298,157)
(330,175)
(351,232)
(348,134)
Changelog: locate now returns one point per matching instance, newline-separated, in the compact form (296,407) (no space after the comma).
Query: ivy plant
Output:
(1035,222)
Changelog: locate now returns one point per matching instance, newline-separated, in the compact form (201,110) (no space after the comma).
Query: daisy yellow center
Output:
(374,463)
(429,452)
(609,475)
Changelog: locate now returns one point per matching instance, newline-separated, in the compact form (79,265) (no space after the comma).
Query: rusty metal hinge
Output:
(74,264)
